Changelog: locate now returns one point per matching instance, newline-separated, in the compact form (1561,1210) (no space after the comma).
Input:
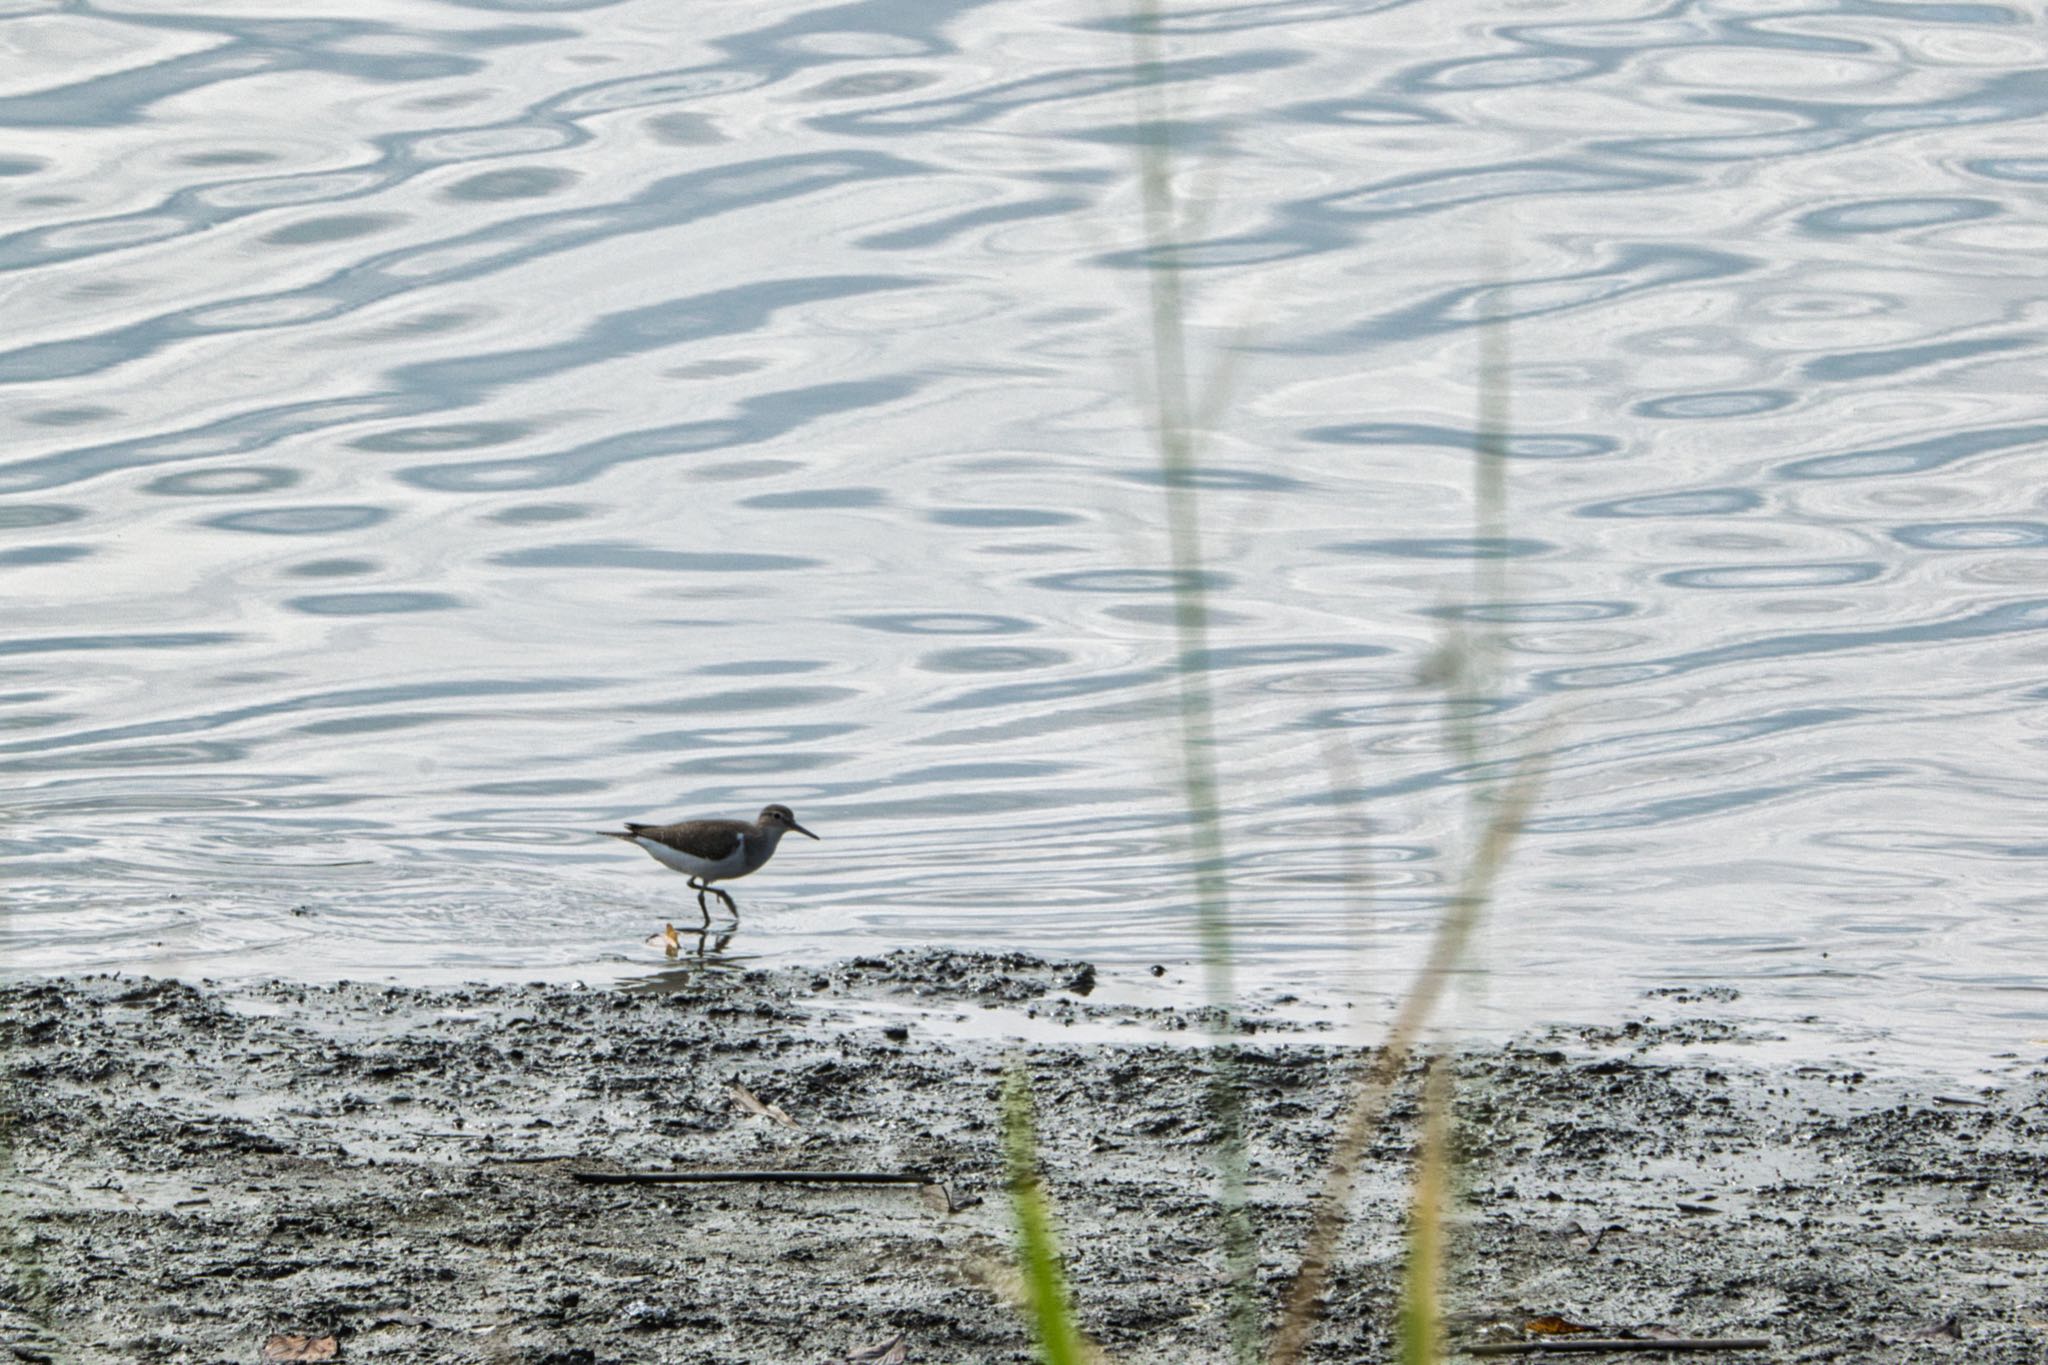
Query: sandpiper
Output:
(713,850)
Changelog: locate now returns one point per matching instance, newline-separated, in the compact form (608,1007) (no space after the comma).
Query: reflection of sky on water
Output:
(433,435)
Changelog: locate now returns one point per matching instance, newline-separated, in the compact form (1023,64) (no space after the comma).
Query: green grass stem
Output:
(1038,1255)
(1421,1325)
(1175,433)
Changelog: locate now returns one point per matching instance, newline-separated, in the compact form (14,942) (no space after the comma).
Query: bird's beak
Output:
(801,830)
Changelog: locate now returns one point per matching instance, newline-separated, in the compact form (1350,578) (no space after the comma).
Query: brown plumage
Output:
(712,840)
(713,850)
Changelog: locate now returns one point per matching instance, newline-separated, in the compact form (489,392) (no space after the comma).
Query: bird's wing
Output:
(712,840)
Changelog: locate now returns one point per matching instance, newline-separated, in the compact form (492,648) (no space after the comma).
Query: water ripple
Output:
(992,102)
(1521,445)
(1466,547)
(617,555)
(945,623)
(66,644)
(663,205)
(371,603)
(836,321)
(2006,619)
(760,418)
(1836,125)
(1632,270)
(1699,502)
(1974,535)
(1698,406)
(1895,215)
(1885,364)
(300,521)
(1916,457)
(1749,577)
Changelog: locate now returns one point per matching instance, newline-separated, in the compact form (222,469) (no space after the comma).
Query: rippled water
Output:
(434,432)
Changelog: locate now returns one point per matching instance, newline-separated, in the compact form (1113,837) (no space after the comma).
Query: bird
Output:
(713,850)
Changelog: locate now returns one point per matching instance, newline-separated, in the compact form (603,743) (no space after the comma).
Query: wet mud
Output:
(383,1173)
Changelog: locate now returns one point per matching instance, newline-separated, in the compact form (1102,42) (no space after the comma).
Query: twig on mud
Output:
(1528,1348)
(1594,1236)
(754,1104)
(754,1178)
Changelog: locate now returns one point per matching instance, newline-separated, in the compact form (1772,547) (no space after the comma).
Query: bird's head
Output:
(782,817)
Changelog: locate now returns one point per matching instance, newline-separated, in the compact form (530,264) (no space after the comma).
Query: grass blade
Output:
(1175,432)
(1421,1330)
(1376,1077)
(1045,1281)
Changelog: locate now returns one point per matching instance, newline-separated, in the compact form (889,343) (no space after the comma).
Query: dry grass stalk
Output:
(1369,1091)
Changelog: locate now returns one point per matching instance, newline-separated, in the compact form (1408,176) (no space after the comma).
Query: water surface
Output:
(435,432)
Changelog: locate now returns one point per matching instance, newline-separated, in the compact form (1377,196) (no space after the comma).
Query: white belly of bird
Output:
(732,865)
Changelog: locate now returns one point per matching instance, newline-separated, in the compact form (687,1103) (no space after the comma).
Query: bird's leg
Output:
(732,909)
(700,888)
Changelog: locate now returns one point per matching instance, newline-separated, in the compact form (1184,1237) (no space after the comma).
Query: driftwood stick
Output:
(1529,1348)
(754,1177)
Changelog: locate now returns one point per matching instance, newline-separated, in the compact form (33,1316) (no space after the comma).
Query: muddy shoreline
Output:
(196,1170)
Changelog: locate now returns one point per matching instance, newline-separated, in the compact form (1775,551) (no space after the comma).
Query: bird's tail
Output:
(629,833)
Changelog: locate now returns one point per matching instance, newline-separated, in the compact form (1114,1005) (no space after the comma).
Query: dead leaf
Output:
(1551,1325)
(894,1351)
(749,1101)
(282,1347)
(668,940)
(940,1196)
